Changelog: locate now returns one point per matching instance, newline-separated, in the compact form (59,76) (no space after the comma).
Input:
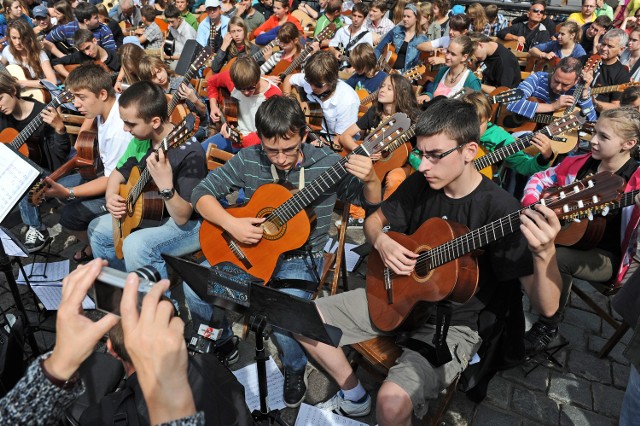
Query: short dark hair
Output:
(322,68)
(148,98)
(570,65)
(82,36)
(333,6)
(245,72)
(460,22)
(381,5)
(456,119)
(116,336)
(171,11)
(92,77)
(84,11)
(148,12)
(280,117)
(360,8)
(603,20)
(630,95)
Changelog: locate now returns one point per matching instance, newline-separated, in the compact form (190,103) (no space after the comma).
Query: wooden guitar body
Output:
(21,73)
(259,259)
(583,235)
(282,66)
(391,160)
(8,135)
(148,210)
(487,171)
(456,280)
(179,112)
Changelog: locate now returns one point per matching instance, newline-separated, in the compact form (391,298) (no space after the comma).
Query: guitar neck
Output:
(175,98)
(260,53)
(401,140)
(369,98)
(607,89)
(627,199)
(295,64)
(502,153)
(32,126)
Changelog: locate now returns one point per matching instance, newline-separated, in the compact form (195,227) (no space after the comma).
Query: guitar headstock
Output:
(593,63)
(62,98)
(565,123)
(203,57)
(327,33)
(583,198)
(180,134)
(625,86)
(508,96)
(415,72)
(386,132)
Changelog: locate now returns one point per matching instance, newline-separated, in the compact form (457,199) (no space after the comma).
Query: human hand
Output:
(215,114)
(226,41)
(246,230)
(76,335)
(361,167)
(160,169)
(186,92)
(118,86)
(154,339)
(116,205)
(521,40)
(543,144)
(274,79)
(550,55)
(399,259)
(52,117)
(539,225)
(55,189)
(563,101)
(224,131)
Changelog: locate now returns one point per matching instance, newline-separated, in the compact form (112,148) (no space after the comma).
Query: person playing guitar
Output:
(234,44)
(249,90)
(350,36)
(143,108)
(366,77)
(290,48)
(88,51)
(96,100)
(50,141)
(498,65)
(617,133)
(447,185)
(283,156)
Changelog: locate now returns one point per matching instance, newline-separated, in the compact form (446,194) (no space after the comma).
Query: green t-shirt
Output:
(323,22)
(137,148)
(191,19)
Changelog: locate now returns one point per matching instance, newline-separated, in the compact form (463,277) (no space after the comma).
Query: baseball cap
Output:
(457,10)
(40,11)
(212,3)
(132,40)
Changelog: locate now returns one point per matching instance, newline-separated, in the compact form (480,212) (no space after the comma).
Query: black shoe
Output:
(295,388)
(35,239)
(538,338)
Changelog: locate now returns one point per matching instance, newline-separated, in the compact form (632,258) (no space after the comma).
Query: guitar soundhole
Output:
(423,270)
(272,227)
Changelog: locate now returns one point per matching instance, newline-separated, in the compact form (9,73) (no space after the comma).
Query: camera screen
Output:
(107,297)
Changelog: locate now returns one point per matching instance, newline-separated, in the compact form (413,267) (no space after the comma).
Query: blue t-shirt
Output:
(370,84)
(554,46)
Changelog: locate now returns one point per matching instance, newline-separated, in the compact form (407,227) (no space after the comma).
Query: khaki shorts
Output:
(412,372)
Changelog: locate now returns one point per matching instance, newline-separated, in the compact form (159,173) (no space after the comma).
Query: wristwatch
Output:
(72,194)
(167,194)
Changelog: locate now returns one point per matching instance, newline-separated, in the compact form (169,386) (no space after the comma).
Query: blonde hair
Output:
(478,16)
(626,122)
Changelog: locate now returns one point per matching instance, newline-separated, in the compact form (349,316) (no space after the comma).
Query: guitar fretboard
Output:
(32,126)
(507,150)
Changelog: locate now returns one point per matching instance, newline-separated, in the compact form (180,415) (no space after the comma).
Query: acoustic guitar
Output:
(85,161)
(230,113)
(20,73)
(19,140)
(484,163)
(204,56)
(283,68)
(445,267)
(367,98)
(144,205)
(287,226)
(256,56)
(387,58)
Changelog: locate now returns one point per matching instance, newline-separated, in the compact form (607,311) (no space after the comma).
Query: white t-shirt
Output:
(112,139)
(247,108)
(339,111)
(11,60)
(343,36)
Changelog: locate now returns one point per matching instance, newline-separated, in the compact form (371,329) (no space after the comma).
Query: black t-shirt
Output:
(609,75)
(188,165)
(77,57)
(369,120)
(611,238)
(532,36)
(585,41)
(502,69)
(54,148)
(402,57)
(504,260)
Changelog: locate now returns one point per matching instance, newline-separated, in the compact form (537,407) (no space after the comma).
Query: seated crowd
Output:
(278,92)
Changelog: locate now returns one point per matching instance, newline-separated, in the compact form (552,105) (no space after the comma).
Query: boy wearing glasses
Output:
(283,157)
(245,86)
(530,32)
(446,186)
(320,83)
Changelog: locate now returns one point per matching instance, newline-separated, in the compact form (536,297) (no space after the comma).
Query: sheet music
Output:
(50,294)
(248,376)
(56,271)
(16,176)
(10,247)
(312,416)
(352,258)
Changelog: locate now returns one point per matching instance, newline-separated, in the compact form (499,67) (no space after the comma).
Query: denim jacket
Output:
(396,36)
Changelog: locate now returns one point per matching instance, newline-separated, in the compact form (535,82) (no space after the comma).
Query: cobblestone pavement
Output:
(584,390)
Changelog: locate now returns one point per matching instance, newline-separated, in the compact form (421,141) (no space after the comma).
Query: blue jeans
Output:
(30,214)
(221,142)
(291,353)
(144,246)
(630,411)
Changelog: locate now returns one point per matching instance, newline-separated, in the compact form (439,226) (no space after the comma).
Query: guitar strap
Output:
(438,353)
(276,178)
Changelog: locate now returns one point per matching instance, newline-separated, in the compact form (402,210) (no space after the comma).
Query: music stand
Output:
(264,306)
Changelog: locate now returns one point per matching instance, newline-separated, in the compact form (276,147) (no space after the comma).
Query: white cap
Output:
(212,3)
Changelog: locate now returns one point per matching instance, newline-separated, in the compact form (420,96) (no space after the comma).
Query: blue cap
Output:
(457,10)
(131,40)
(40,11)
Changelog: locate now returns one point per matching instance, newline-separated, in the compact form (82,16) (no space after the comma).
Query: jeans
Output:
(144,246)
(221,142)
(30,214)
(77,214)
(630,411)
(291,353)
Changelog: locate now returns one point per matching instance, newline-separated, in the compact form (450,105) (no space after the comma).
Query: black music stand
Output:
(264,306)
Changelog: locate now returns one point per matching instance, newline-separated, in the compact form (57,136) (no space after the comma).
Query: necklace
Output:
(453,79)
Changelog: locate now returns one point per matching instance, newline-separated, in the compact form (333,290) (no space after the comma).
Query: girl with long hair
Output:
(23,49)
(130,57)
(631,54)
(440,25)
(405,37)
(567,44)
(290,47)
(479,21)
(62,12)
(234,43)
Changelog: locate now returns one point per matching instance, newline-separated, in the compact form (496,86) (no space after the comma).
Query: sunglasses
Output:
(540,11)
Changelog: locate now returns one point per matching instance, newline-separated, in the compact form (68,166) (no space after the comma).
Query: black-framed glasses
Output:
(287,152)
(540,11)
(434,158)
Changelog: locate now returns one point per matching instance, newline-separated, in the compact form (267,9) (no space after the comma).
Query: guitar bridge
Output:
(237,250)
(388,285)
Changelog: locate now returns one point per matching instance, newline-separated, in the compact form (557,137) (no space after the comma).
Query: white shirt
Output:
(343,37)
(339,111)
(247,108)
(112,139)
(12,61)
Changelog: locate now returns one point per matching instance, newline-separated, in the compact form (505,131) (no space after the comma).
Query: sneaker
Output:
(538,338)
(355,223)
(295,388)
(344,407)
(233,357)
(35,239)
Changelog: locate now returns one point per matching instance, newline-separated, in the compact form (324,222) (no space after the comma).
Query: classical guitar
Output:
(283,68)
(85,161)
(257,56)
(445,267)
(367,98)
(287,226)
(541,64)
(204,56)
(21,73)
(587,234)
(230,112)
(19,140)
(143,203)
(387,58)
(484,163)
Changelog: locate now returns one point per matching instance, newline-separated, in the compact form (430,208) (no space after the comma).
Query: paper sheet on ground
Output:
(312,416)
(56,271)
(248,376)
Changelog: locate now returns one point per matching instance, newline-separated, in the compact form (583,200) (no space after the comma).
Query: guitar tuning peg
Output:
(590,183)
(590,215)
(576,219)
(595,199)
(605,211)
(543,202)
(565,208)
(576,189)
(562,194)
(580,204)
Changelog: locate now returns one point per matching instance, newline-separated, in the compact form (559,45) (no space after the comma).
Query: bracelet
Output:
(59,383)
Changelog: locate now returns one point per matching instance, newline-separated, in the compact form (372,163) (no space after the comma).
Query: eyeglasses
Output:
(288,152)
(540,11)
(434,158)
